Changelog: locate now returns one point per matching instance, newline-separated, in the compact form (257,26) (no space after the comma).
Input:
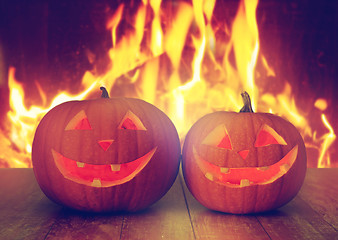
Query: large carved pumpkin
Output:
(106,154)
(243,162)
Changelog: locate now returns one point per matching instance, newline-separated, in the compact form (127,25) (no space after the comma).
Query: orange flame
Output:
(178,63)
(327,141)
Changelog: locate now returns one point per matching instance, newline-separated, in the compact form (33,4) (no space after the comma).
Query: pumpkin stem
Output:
(247,103)
(104,92)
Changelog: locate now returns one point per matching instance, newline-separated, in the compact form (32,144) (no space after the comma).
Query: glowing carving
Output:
(79,122)
(103,175)
(267,136)
(218,137)
(233,177)
(241,177)
(105,144)
(243,153)
(131,122)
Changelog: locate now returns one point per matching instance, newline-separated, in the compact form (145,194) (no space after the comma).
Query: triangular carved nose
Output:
(243,153)
(105,144)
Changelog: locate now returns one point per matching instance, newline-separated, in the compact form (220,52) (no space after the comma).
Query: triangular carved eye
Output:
(79,122)
(267,136)
(218,137)
(132,122)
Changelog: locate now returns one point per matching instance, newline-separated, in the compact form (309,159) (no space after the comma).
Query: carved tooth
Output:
(80,164)
(115,167)
(245,183)
(96,182)
(209,176)
(284,168)
(263,168)
(224,170)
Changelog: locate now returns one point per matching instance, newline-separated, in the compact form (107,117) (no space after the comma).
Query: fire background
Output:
(55,42)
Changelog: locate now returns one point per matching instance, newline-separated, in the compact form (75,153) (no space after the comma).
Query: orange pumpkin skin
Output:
(124,165)
(217,183)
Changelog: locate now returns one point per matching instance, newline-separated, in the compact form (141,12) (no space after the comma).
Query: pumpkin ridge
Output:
(271,175)
(254,130)
(45,165)
(273,125)
(148,186)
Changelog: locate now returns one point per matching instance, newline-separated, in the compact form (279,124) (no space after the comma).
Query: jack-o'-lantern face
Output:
(220,140)
(101,175)
(243,162)
(107,154)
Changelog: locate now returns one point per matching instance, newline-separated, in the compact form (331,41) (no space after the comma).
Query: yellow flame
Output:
(321,104)
(269,71)
(175,37)
(114,22)
(24,120)
(126,55)
(328,139)
(245,44)
(194,88)
(156,30)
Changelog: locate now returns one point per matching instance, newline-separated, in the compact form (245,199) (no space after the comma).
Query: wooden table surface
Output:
(25,213)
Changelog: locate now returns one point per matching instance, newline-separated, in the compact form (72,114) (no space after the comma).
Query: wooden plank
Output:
(73,224)
(320,191)
(296,220)
(25,212)
(208,224)
(167,219)
(299,219)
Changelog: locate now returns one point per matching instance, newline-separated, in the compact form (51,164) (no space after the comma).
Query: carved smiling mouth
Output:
(248,176)
(96,175)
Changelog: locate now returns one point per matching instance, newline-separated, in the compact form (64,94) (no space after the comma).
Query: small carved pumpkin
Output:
(243,162)
(107,154)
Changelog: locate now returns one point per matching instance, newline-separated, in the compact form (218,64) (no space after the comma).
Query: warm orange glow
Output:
(79,121)
(321,104)
(267,136)
(245,43)
(218,137)
(176,61)
(23,120)
(235,177)
(113,23)
(327,140)
(98,175)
